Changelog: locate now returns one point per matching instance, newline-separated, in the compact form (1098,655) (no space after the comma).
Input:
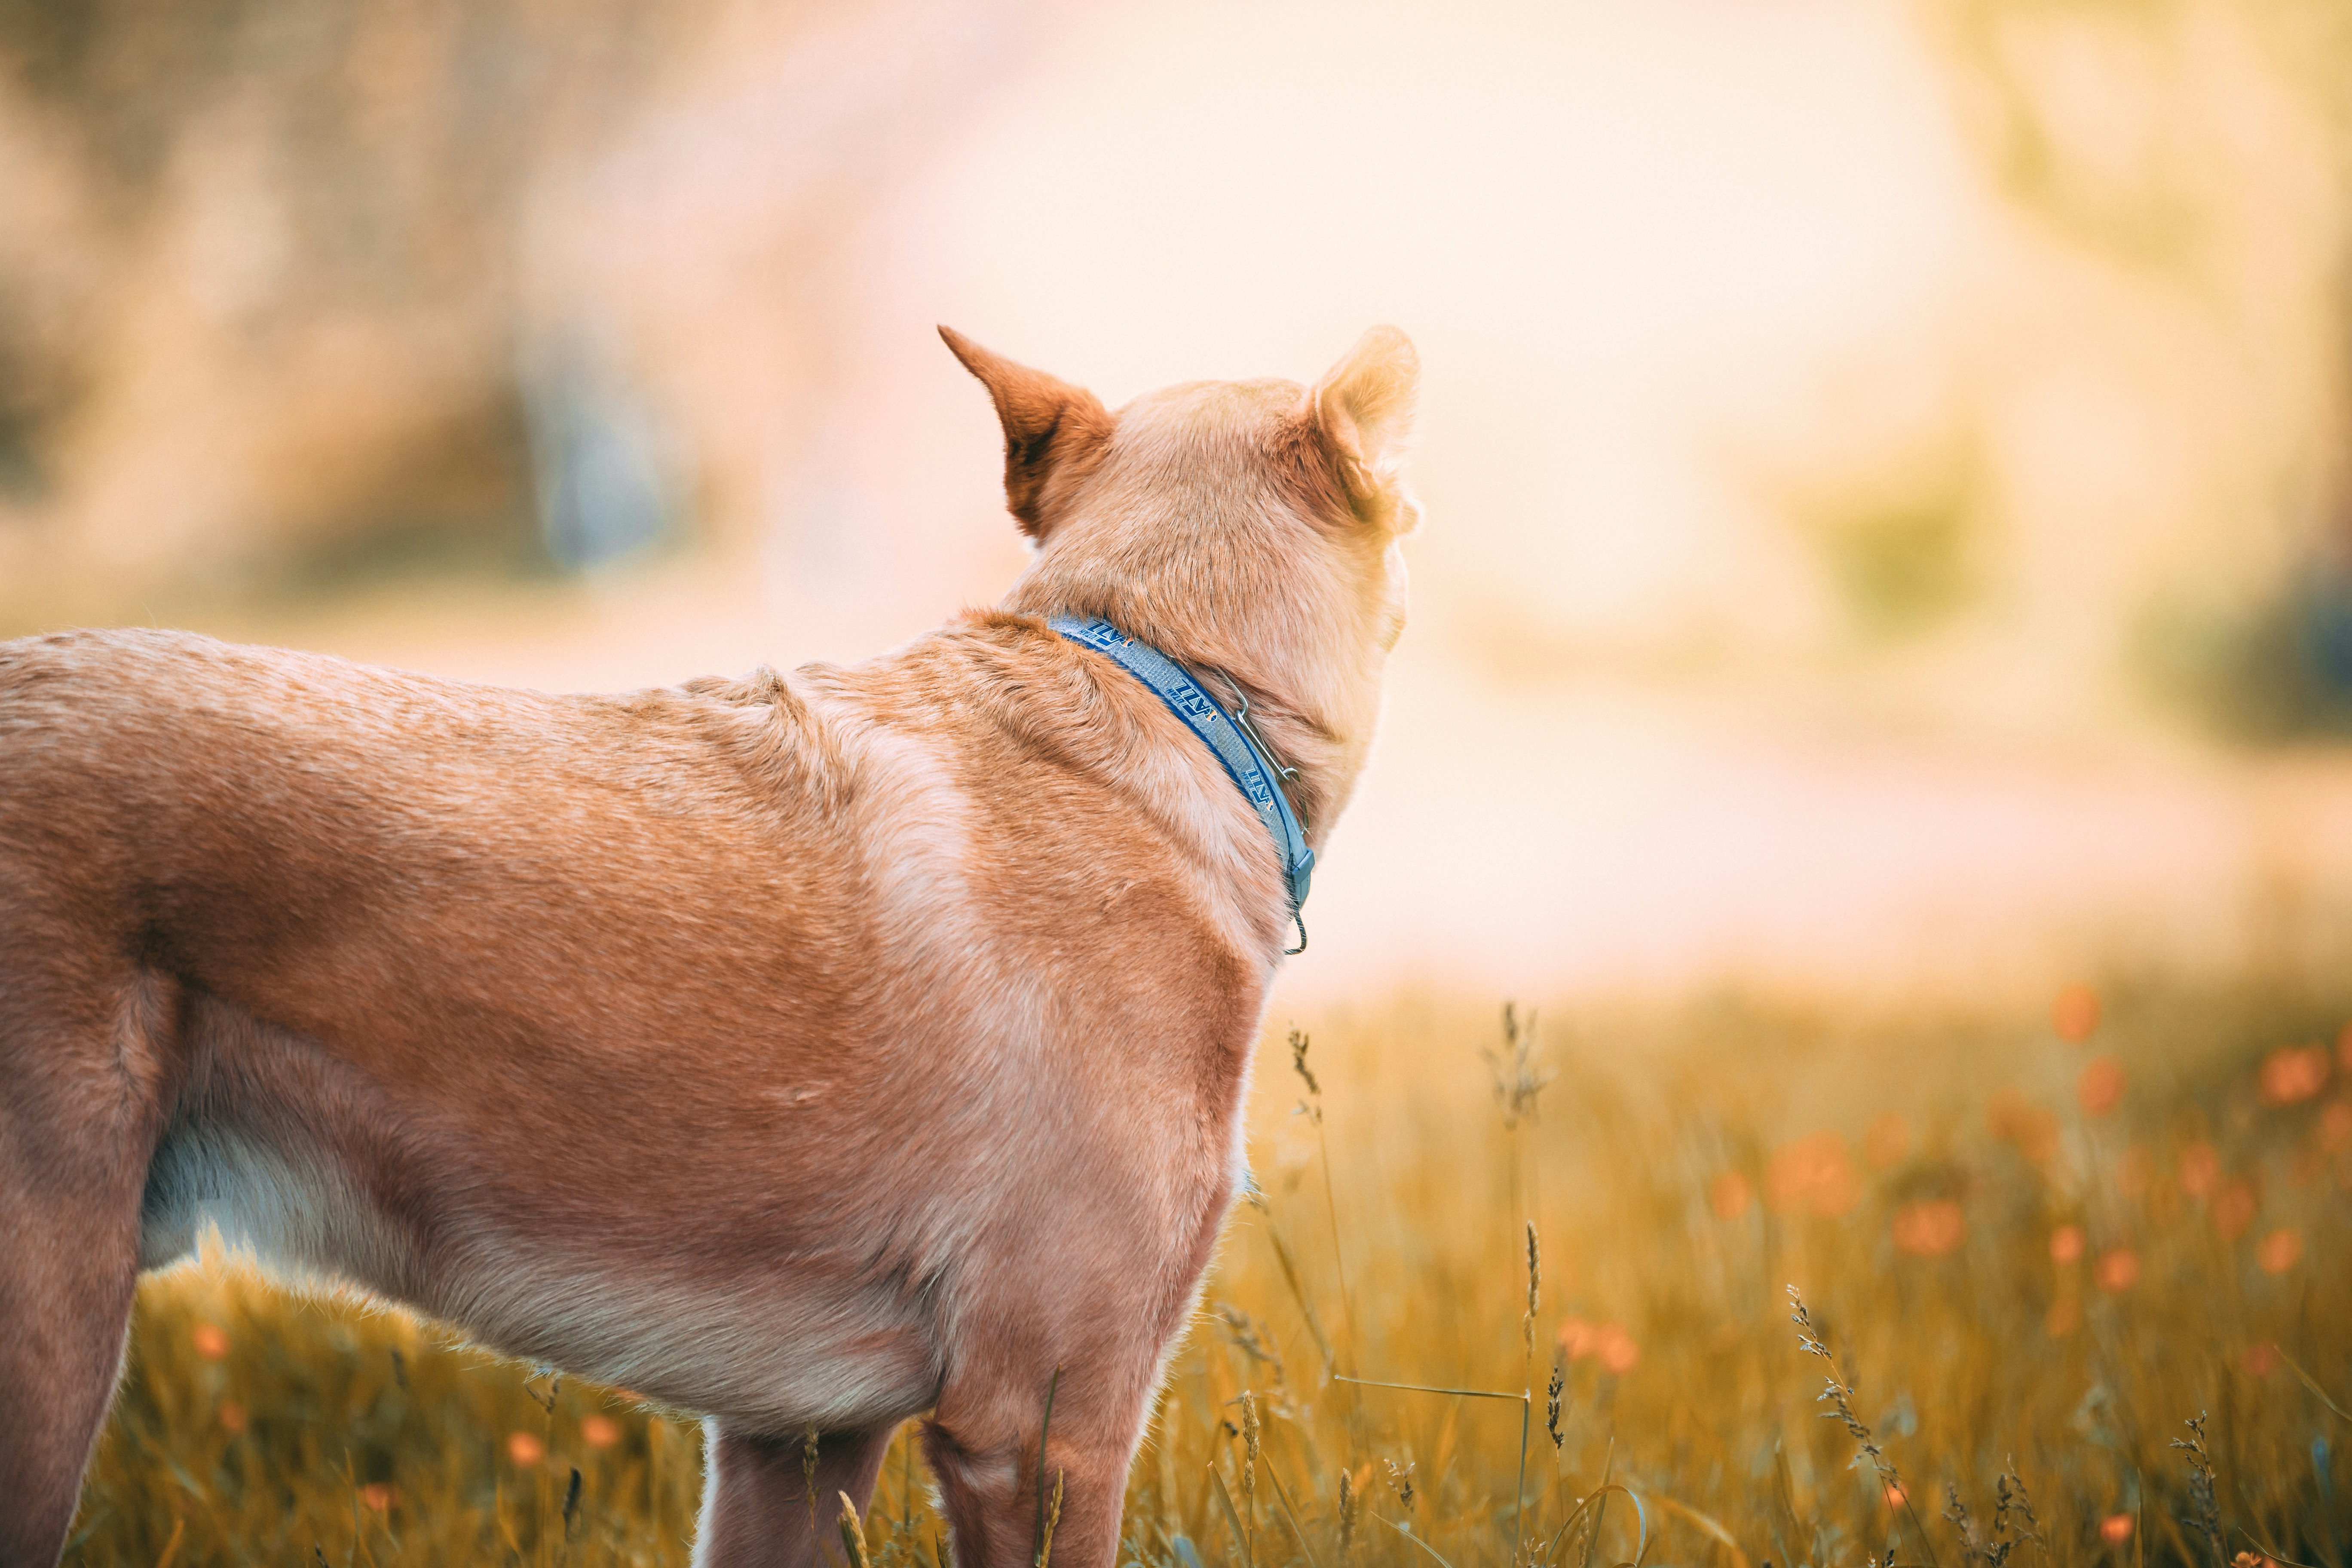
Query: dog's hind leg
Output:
(82,1107)
(756,1509)
(982,1444)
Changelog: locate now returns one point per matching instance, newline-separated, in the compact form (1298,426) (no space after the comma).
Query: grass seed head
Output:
(1045,1537)
(1517,1080)
(1401,1481)
(853,1535)
(1535,1292)
(1551,1401)
(1298,1043)
(1249,1466)
(2204,1511)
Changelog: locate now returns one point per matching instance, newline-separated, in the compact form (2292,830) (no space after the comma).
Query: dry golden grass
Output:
(2032,1259)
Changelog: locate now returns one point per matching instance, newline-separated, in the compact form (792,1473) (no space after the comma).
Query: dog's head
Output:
(1246,526)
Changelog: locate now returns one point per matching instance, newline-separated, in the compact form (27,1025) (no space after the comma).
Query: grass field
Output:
(2037,1244)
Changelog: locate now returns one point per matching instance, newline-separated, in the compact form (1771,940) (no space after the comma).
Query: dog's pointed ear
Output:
(1364,408)
(1053,433)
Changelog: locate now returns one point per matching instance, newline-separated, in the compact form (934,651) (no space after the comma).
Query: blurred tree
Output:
(333,192)
(2206,145)
(296,294)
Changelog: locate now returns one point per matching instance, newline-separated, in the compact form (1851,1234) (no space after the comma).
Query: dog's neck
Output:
(1317,754)
(1263,715)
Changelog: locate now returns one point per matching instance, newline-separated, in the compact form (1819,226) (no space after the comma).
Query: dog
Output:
(810,1052)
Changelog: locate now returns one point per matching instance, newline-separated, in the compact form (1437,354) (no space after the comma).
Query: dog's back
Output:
(601,1027)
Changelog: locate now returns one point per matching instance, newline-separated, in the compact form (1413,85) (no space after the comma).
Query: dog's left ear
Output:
(1053,433)
(1364,408)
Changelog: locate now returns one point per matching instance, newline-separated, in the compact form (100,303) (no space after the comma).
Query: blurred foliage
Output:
(2123,124)
(2086,110)
(2276,672)
(1901,572)
(380,157)
(2035,1247)
(1905,555)
(400,132)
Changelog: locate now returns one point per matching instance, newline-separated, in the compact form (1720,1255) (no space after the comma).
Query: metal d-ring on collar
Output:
(1246,759)
(1242,717)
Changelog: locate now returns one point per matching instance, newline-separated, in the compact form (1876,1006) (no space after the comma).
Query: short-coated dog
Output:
(810,1051)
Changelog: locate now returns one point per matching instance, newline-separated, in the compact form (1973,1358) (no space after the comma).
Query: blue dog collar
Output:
(1232,743)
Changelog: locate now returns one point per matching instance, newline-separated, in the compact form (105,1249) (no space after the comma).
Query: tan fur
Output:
(817,1049)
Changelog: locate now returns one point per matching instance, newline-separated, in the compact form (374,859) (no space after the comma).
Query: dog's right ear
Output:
(1055,433)
(1364,408)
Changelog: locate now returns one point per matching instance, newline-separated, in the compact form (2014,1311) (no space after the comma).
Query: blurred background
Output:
(1888,466)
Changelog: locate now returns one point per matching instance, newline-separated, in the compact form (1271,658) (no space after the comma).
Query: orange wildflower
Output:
(2234,1210)
(2013,1119)
(525,1450)
(2201,1167)
(1730,1194)
(2066,1244)
(1930,1229)
(2118,1269)
(2100,1088)
(2063,1317)
(599,1431)
(210,1340)
(2279,1251)
(2075,1014)
(2259,1360)
(2115,1529)
(2336,1125)
(380,1496)
(232,1416)
(1815,1172)
(1895,1496)
(2293,1074)
(1608,1343)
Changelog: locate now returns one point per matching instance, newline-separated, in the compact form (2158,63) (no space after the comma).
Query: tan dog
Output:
(806,1052)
